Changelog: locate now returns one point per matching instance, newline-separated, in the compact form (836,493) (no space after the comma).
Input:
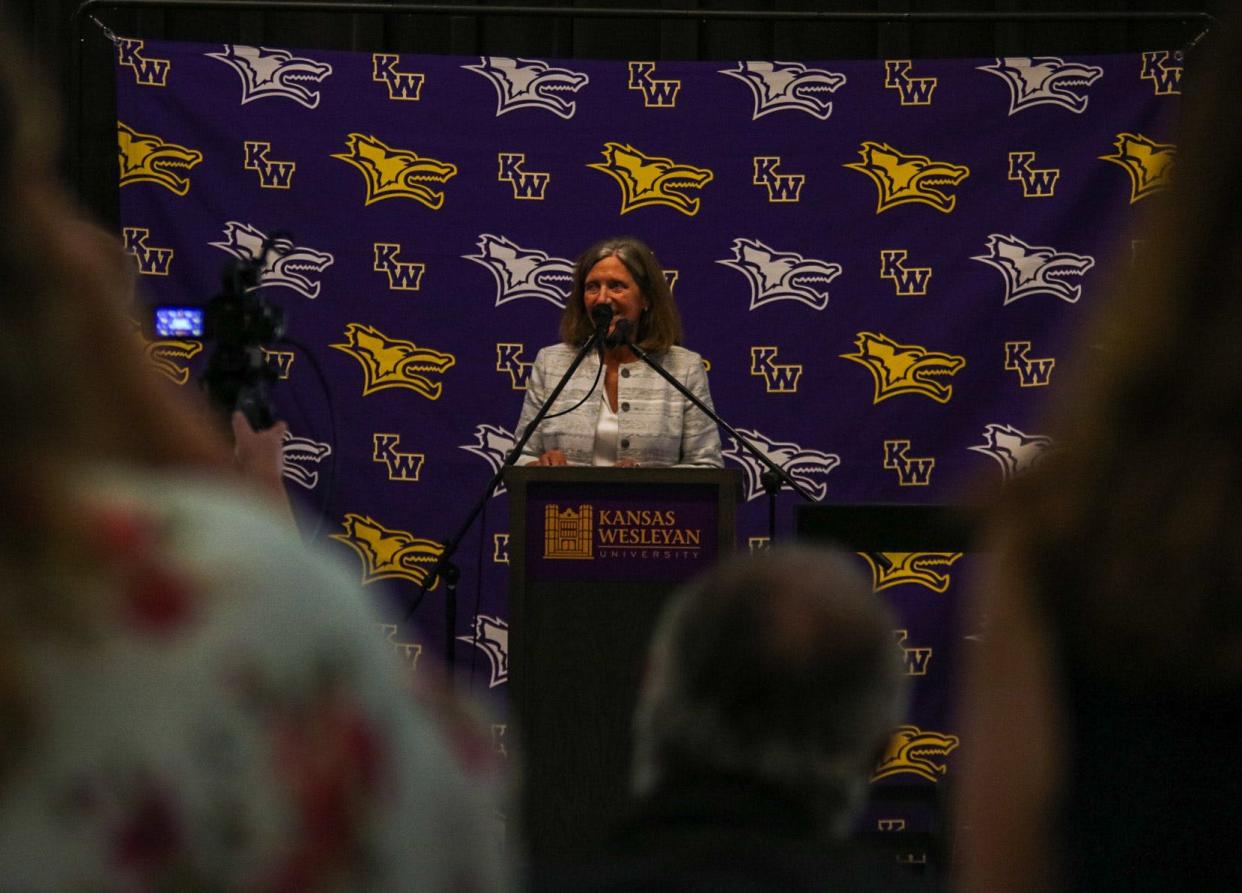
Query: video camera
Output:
(240,322)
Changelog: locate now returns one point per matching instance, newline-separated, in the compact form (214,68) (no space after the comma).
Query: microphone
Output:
(621,333)
(601,315)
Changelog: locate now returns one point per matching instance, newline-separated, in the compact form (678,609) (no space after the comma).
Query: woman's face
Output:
(609,282)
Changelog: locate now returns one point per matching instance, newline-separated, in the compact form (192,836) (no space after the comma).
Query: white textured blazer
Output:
(655,424)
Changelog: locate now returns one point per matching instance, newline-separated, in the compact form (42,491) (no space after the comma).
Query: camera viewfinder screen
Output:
(179,322)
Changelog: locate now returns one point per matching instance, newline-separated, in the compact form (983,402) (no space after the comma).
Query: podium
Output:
(593,554)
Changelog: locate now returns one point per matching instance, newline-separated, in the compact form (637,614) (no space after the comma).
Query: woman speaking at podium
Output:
(637,418)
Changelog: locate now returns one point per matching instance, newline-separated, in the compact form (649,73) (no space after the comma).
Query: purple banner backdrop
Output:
(882,262)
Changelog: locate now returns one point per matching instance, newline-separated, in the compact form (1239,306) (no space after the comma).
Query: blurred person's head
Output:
(1130,532)
(778,667)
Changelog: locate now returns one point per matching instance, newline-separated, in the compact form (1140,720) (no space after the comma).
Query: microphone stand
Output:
(445,568)
(773,478)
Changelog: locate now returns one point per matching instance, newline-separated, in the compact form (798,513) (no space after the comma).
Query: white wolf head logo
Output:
(1015,451)
(800,463)
(1035,269)
(530,84)
(788,86)
(493,444)
(1035,80)
(268,73)
(298,454)
(781,275)
(491,634)
(286,263)
(524,272)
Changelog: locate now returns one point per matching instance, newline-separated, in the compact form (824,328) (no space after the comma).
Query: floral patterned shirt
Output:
(239,724)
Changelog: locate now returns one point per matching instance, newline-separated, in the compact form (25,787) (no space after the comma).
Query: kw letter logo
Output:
(910,472)
(401,466)
(272,174)
(1031,373)
(915,659)
(1165,78)
(777,378)
(509,359)
(1149,164)
(151,261)
(913,751)
(1037,182)
(151,72)
(407,652)
(500,548)
(657,94)
(402,275)
(911,91)
(910,282)
(405,86)
(528,185)
(781,187)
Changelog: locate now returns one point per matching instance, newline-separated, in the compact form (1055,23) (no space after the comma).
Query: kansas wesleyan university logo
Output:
(393,363)
(909,282)
(803,465)
(788,87)
(403,86)
(903,179)
(274,74)
(781,275)
(388,554)
(147,158)
(530,84)
(910,90)
(905,368)
(287,265)
(1164,70)
(651,180)
(396,173)
(1044,80)
(1149,164)
(657,93)
(523,272)
(1035,269)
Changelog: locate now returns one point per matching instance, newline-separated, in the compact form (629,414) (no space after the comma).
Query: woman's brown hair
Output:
(659,326)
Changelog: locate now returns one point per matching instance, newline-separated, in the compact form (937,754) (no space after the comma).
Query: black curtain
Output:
(49,28)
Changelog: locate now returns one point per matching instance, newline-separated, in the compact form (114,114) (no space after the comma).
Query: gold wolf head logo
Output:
(917,752)
(169,355)
(388,554)
(396,173)
(905,368)
(650,180)
(921,568)
(146,158)
(1149,164)
(393,363)
(901,179)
